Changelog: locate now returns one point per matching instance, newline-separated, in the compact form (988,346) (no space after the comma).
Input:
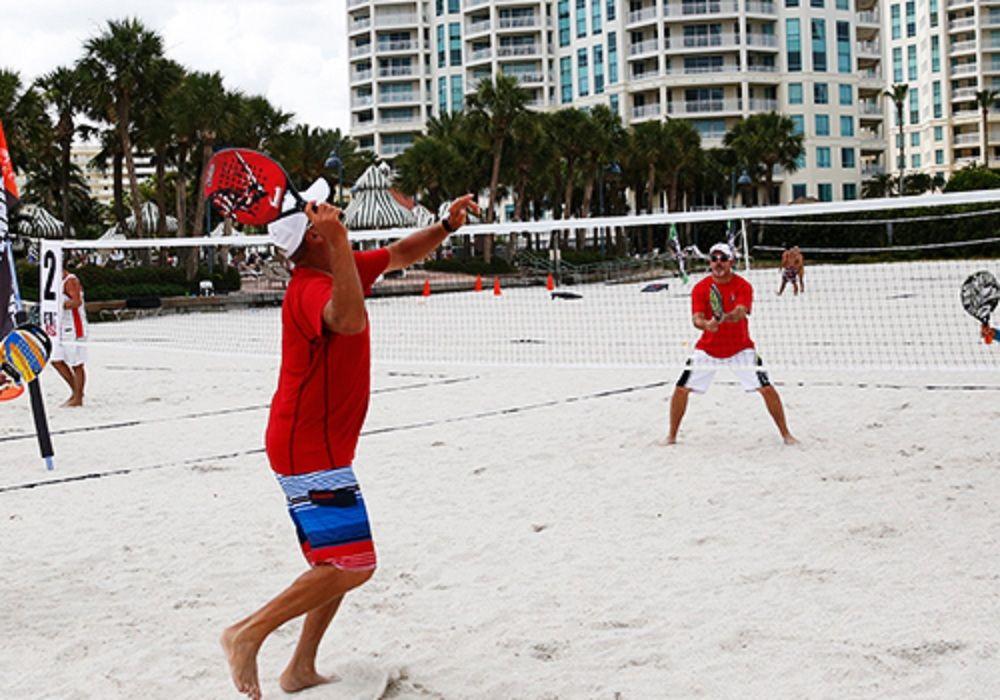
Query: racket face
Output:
(246,185)
(715,301)
(980,295)
(26,349)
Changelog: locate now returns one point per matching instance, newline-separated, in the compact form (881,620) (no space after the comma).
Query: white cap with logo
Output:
(721,248)
(288,231)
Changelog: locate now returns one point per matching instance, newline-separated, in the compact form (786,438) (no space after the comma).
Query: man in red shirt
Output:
(316,418)
(720,305)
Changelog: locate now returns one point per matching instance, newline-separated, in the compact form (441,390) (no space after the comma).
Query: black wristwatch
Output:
(446,225)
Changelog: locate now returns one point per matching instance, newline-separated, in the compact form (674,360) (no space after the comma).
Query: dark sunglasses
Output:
(719,257)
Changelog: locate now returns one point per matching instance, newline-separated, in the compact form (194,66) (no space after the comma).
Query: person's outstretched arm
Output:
(418,246)
(345,312)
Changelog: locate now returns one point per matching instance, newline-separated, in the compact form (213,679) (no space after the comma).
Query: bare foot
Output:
(666,441)
(293,680)
(242,658)
(789,440)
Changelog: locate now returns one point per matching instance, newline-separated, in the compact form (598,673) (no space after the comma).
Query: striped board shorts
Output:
(330,518)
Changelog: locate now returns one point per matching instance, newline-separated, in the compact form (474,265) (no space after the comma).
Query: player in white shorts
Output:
(720,305)
(69,359)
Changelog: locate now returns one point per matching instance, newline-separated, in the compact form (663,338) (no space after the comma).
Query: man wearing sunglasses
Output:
(725,342)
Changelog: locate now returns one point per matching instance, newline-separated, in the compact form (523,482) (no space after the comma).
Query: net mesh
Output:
(626,305)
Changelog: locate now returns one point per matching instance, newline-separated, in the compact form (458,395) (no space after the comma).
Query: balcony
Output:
(477,27)
(961,23)
(966,140)
(647,14)
(646,74)
(700,9)
(960,3)
(397,71)
(477,55)
(759,105)
(765,40)
(519,22)
(965,69)
(360,25)
(702,70)
(869,19)
(361,101)
(527,78)
(360,50)
(991,20)
(965,93)
(705,106)
(965,114)
(647,46)
(395,20)
(405,45)
(355,3)
(870,170)
(645,111)
(398,120)
(394,149)
(518,50)
(361,75)
(395,97)
(871,108)
(762,68)
(757,7)
(709,40)
(962,47)
(869,49)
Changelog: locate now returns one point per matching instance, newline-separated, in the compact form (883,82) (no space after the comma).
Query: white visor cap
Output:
(722,248)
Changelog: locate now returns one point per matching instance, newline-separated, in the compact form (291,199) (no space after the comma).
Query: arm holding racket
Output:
(345,312)
(419,245)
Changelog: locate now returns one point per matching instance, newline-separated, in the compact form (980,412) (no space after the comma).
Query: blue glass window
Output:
(819,45)
(850,190)
(846,95)
(563,10)
(598,69)
(612,59)
(847,157)
(583,85)
(844,47)
(455,43)
(895,19)
(821,94)
(823,157)
(799,191)
(793,40)
(566,79)
(822,125)
(795,93)
(825,192)
(847,126)
(581,18)
(457,94)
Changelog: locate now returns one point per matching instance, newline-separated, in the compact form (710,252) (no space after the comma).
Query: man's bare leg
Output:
(315,588)
(301,670)
(79,381)
(777,411)
(678,405)
(67,374)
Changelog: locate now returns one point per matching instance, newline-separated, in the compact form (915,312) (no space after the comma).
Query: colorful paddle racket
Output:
(249,187)
(980,295)
(715,301)
(25,352)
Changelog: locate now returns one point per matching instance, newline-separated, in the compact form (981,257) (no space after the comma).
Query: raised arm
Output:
(419,245)
(345,312)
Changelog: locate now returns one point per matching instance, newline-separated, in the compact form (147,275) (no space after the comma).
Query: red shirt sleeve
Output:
(744,296)
(699,300)
(307,308)
(370,264)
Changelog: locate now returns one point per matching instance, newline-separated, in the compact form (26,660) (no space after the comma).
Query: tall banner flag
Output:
(8,280)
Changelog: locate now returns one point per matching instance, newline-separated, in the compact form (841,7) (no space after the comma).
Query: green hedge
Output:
(105,283)
(470,266)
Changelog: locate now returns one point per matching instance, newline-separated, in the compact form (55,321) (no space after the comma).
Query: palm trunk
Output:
(902,146)
(133,181)
(768,182)
(118,191)
(66,146)
(491,212)
(161,196)
(985,150)
(650,185)
(199,213)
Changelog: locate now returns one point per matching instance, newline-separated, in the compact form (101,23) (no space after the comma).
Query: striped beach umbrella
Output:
(32,221)
(373,206)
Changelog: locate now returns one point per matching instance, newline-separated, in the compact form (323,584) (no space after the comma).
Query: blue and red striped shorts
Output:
(330,518)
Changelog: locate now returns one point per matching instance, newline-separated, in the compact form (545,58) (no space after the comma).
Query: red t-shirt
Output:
(731,337)
(325,380)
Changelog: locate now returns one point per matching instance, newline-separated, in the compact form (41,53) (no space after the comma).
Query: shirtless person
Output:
(792,270)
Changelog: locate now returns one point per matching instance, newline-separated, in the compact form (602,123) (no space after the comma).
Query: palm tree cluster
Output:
(574,163)
(128,96)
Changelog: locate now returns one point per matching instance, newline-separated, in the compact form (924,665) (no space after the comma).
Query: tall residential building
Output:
(101,183)
(711,62)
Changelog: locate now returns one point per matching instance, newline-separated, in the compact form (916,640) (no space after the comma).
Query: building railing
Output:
(869,48)
(757,7)
(650,110)
(403,45)
(965,114)
(962,23)
(398,97)
(703,106)
(869,17)
(871,108)
(518,21)
(362,100)
(518,50)
(761,105)
(361,75)
(359,24)
(694,9)
(643,47)
(755,39)
(481,54)
(482,25)
(526,78)
(647,13)
(964,69)
(872,169)
(966,93)
(962,139)
(355,3)
(709,40)
(399,119)
(394,149)
(360,49)
(960,46)
(395,20)
(762,68)
(396,71)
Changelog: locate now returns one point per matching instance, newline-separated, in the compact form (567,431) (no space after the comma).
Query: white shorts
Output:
(746,365)
(73,355)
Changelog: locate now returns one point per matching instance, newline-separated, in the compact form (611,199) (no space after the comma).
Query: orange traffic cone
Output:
(496,287)
(427,288)
(478,287)
(550,283)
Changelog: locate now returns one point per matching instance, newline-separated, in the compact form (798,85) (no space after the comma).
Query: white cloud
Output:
(293,52)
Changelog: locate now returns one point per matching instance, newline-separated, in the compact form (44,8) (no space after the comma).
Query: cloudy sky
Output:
(294,52)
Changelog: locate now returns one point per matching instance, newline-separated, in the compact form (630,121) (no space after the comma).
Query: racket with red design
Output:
(249,186)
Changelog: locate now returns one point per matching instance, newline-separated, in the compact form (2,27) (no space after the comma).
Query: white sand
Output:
(553,552)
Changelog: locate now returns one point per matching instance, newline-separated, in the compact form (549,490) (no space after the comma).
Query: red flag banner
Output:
(7,171)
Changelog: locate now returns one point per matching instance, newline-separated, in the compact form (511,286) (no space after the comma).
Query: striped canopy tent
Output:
(150,214)
(423,216)
(32,221)
(373,206)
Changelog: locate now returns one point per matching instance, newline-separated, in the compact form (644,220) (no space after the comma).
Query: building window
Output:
(798,123)
(791,3)
(442,56)
(934,13)
(439,7)
(793,45)
(595,16)
(847,158)
(915,160)
(847,126)
(938,110)
(843,5)
(798,192)
(611,9)
(844,47)
(566,79)
(598,69)
(825,192)
(453,7)
(583,82)
(935,54)
(457,94)
(821,94)
(822,157)
(819,45)
(581,18)
(911,62)
(442,95)
(795,93)
(897,65)
(939,133)
(613,101)
(846,95)
(800,162)
(914,106)
(894,13)
(563,11)
(850,190)
(455,44)
(822,125)
(939,157)
(612,59)
(915,138)
(911,19)
(816,3)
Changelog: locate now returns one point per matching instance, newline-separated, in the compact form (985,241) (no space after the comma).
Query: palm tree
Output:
(62,90)
(879,186)
(984,100)
(603,143)
(898,96)
(493,108)
(27,126)
(763,141)
(680,156)
(155,128)
(119,67)
(425,170)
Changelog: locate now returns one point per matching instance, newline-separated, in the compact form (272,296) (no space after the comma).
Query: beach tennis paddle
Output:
(24,352)
(980,295)
(715,301)
(249,186)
